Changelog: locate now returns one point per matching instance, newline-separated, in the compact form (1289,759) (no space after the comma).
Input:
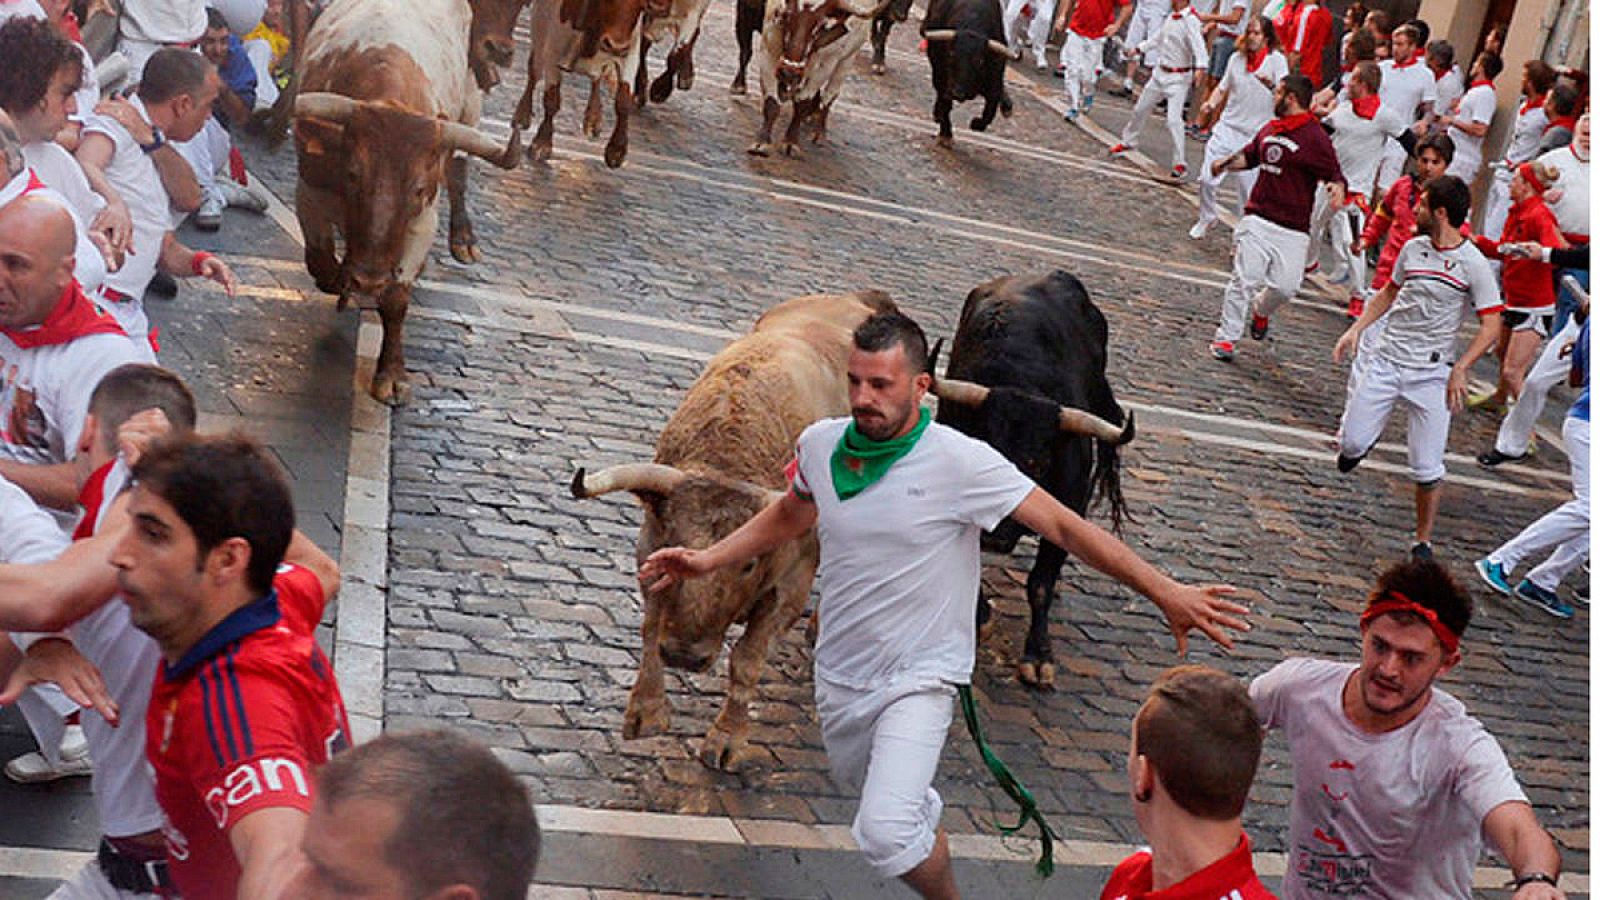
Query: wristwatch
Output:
(157,141)
(1532,877)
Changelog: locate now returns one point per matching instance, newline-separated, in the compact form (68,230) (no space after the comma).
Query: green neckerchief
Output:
(859,461)
(1009,783)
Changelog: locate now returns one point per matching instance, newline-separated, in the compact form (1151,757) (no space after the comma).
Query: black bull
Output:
(967,53)
(1037,344)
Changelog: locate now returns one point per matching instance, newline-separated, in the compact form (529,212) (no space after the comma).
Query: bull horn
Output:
(650,477)
(1076,421)
(965,393)
(456,136)
(939,34)
(999,47)
(323,105)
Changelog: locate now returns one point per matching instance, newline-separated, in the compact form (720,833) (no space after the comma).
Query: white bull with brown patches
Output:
(719,461)
(389,105)
(807,47)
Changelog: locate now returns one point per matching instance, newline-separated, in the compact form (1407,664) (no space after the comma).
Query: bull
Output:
(808,46)
(1027,375)
(388,110)
(967,54)
(597,38)
(719,461)
(681,25)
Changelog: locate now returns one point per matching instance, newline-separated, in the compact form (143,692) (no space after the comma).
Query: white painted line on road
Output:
(34,862)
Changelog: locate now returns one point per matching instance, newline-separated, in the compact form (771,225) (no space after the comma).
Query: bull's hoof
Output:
(1038,675)
(1005,105)
(760,148)
(615,154)
(946,141)
(645,720)
(539,151)
(391,388)
(661,88)
(591,126)
(738,88)
(791,150)
(685,79)
(724,752)
(465,251)
(978,124)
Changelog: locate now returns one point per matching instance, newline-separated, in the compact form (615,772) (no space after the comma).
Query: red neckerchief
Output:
(73,317)
(1568,122)
(1290,123)
(1366,107)
(1481,82)
(1254,60)
(1531,104)
(90,498)
(69,26)
(1416,56)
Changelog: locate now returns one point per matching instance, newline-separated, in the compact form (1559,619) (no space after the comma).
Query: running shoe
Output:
(1121,90)
(1222,350)
(1494,458)
(1178,171)
(1119,149)
(1494,575)
(1258,328)
(1088,102)
(1198,230)
(1545,600)
(1070,115)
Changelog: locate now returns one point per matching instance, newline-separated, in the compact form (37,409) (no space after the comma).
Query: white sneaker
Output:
(242,196)
(33,768)
(1199,230)
(209,216)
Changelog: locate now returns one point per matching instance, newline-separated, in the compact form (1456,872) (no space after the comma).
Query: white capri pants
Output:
(1339,227)
(1379,386)
(1081,56)
(1566,527)
(1269,261)
(1175,87)
(1549,370)
(1225,141)
(886,743)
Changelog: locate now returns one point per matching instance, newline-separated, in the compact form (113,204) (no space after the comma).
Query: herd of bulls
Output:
(389,94)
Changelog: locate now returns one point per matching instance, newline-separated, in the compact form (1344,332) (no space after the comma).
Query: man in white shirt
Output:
(1245,95)
(1410,91)
(899,503)
(1224,22)
(131,146)
(1526,132)
(1468,124)
(1437,277)
(1146,21)
(1395,784)
(1448,82)
(1179,51)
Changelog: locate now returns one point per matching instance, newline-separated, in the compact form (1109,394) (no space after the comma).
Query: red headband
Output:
(1531,176)
(1394,601)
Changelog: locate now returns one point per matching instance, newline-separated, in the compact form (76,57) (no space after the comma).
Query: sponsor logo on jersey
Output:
(252,779)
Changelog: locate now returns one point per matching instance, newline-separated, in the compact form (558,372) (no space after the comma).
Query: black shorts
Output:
(1537,322)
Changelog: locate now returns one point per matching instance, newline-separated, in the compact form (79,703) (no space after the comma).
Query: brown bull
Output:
(719,461)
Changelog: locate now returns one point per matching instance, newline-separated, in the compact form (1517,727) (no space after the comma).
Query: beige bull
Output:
(719,461)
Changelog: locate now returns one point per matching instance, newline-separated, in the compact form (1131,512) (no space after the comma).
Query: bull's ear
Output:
(933,358)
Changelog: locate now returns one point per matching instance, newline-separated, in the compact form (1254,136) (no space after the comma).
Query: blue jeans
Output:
(1566,304)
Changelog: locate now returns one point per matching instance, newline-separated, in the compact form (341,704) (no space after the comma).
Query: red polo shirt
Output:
(1232,877)
(1091,18)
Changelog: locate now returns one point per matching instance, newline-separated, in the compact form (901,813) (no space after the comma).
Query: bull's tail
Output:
(1107,476)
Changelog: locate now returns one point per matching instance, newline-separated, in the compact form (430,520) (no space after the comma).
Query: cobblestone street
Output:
(512,609)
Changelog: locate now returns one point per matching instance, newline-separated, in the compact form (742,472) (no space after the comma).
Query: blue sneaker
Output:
(1493,574)
(1545,600)
(1088,103)
(1070,115)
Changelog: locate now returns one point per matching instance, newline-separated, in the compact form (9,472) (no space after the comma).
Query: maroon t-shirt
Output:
(1292,155)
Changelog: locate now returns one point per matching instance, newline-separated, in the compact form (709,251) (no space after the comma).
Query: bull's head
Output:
(393,163)
(806,26)
(975,60)
(695,511)
(492,44)
(1030,431)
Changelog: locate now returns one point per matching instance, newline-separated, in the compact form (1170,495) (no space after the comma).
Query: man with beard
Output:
(898,503)
(1395,784)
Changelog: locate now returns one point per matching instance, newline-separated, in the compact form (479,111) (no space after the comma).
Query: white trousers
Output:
(1175,87)
(886,743)
(1380,385)
(1566,527)
(1269,261)
(1081,56)
(207,154)
(45,708)
(1497,204)
(90,884)
(1037,26)
(1339,227)
(1549,370)
(1225,141)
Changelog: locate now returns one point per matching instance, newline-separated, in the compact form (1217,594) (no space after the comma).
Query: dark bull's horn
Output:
(1074,421)
(650,477)
(939,34)
(453,136)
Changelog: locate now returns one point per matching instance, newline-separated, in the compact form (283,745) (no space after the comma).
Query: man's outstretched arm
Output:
(780,522)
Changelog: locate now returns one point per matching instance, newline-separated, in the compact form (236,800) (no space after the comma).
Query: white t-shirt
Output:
(136,178)
(1395,815)
(1249,106)
(1571,206)
(900,565)
(1227,6)
(1477,105)
(1404,88)
(1436,289)
(1179,43)
(1525,134)
(12,9)
(164,21)
(28,534)
(88,266)
(44,392)
(1448,88)
(1359,143)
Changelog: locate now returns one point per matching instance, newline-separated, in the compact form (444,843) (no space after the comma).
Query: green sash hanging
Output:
(858,460)
(1009,783)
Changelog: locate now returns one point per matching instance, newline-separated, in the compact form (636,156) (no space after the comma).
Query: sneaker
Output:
(33,768)
(1070,115)
(240,196)
(1119,149)
(1258,328)
(1222,350)
(1580,594)
(1494,458)
(1355,308)
(163,285)
(1198,230)
(1061,70)
(1178,171)
(1202,135)
(1422,551)
(1493,574)
(1538,596)
(1088,102)
(209,216)
(1347,464)
(1486,402)
(1121,90)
